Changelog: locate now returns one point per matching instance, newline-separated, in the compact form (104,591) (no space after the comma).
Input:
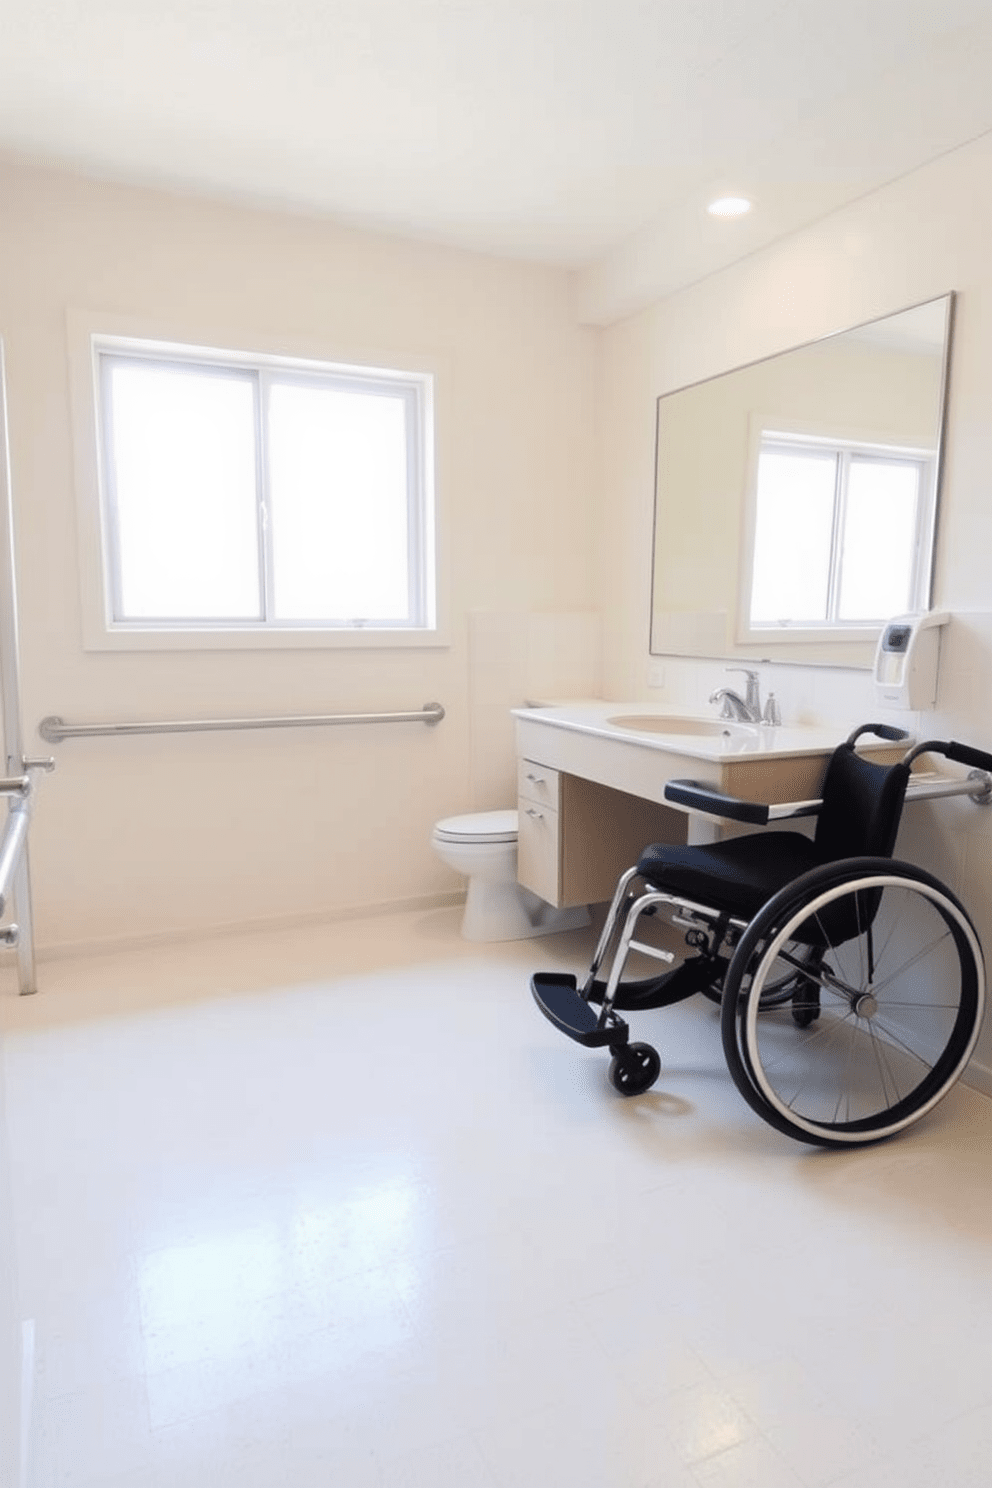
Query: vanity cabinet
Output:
(577,836)
(591,781)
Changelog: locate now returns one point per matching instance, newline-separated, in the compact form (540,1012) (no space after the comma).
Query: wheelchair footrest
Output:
(557,995)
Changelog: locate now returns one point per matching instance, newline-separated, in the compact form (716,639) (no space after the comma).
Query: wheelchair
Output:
(851,985)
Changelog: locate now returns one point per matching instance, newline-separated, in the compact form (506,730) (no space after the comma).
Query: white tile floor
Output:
(339,1209)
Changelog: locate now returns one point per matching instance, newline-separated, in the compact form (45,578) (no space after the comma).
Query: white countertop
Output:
(735,739)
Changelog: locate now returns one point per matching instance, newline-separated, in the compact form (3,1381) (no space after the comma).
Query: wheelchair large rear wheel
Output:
(887,1006)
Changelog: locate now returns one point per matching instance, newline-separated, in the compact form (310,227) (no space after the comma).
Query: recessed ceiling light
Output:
(729,206)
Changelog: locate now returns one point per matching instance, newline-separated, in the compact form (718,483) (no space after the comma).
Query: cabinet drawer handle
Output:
(535,779)
(537,815)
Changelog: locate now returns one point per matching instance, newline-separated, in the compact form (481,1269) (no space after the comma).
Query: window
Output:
(838,533)
(260,494)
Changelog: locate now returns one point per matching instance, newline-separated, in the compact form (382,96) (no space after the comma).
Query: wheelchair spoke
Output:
(882,1065)
(912,961)
(821,975)
(864,948)
(901,1043)
(883,1014)
(844,1087)
(894,1002)
(830,983)
(824,1031)
(834,1030)
(895,927)
(782,1059)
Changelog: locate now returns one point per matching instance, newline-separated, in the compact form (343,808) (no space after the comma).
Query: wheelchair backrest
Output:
(862,804)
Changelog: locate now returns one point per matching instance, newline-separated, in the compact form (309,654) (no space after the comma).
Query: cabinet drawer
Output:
(539,851)
(537,783)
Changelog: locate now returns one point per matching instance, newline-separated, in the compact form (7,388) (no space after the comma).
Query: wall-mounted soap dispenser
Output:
(906,661)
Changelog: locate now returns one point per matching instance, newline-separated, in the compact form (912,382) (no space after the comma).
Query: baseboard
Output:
(113,944)
(979,1077)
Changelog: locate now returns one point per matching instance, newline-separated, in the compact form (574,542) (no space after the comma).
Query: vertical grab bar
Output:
(10,702)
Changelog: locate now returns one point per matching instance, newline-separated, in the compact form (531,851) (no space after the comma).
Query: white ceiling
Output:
(584,133)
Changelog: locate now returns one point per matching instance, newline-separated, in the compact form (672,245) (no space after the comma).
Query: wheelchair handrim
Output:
(861,1131)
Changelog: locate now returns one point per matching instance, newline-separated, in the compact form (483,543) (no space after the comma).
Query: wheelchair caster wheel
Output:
(634,1069)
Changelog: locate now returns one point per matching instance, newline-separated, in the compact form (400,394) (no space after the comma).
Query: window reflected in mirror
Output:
(838,530)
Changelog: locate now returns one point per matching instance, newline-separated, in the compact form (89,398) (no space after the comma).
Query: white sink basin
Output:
(660,723)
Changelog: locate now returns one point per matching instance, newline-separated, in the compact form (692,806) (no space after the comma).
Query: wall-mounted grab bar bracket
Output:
(981,792)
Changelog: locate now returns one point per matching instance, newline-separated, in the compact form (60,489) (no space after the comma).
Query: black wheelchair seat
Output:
(859,816)
(737,876)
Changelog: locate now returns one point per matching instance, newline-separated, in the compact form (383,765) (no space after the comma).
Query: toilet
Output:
(483,847)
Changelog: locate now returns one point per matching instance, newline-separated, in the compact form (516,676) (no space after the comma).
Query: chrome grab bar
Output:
(928,785)
(53,729)
(925,786)
(11,847)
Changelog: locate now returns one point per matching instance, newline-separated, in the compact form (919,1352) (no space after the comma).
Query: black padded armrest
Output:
(965,754)
(882,730)
(715,803)
(962,754)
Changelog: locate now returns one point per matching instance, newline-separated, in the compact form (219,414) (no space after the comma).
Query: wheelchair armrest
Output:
(962,754)
(714,803)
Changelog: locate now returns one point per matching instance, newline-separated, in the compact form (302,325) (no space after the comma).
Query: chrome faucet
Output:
(745,709)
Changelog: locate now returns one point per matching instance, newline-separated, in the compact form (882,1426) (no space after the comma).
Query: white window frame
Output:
(94,344)
(844,447)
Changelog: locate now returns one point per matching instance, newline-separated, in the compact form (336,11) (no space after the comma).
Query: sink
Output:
(660,723)
(632,748)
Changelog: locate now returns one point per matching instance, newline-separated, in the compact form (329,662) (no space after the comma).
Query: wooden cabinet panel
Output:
(604,832)
(539,851)
(576,837)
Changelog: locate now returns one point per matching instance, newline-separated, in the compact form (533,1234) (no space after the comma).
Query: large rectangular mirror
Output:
(796,498)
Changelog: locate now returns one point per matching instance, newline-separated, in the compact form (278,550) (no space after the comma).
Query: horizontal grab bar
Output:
(694,795)
(930,787)
(53,729)
(926,787)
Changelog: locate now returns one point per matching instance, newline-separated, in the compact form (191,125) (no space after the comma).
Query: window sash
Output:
(264,375)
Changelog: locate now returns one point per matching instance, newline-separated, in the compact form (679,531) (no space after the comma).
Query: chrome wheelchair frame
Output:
(851,998)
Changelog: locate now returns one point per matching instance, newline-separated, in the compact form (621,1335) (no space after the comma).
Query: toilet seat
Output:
(482,847)
(478,826)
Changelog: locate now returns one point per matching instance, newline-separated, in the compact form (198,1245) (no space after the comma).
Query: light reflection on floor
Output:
(339,1208)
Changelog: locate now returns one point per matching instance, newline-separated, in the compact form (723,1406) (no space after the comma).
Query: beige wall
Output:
(540,514)
(154,835)
(915,240)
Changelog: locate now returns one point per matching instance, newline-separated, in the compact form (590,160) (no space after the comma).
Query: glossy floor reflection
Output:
(334,1209)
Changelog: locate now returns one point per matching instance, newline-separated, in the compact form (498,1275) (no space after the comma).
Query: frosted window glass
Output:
(794,520)
(249,493)
(339,515)
(879,539)
(185,500)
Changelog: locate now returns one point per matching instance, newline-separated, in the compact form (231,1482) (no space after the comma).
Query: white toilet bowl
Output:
(483,847)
